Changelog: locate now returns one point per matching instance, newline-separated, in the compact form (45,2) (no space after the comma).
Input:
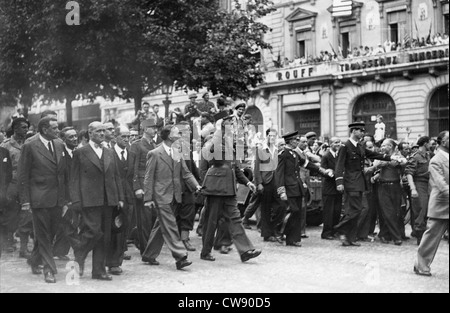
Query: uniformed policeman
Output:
(350,178)
(290,186)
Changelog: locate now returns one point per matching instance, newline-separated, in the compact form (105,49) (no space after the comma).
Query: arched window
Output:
(368,106)
(257,117)
(438,118)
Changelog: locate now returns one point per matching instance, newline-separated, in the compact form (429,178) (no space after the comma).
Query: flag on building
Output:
(342,8)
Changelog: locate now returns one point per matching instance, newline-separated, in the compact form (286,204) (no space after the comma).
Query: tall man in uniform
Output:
(145,216)
(5,180)
(290,186)
(220,191)
(350,179)
(43,181)
(96,190)
(163,179)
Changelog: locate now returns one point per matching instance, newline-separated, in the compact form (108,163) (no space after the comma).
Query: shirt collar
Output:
(333,153)
(353,142)
(119,150)
(94,145)
(167,148)
(43,140)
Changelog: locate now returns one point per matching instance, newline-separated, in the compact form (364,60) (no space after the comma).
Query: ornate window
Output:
(302,27)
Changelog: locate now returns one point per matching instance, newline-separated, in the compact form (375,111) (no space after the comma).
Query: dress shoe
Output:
(208,257)
(188,246)
(127,257)
(80,268)
(35,270)
(294,244)
(250,255)
(405,238)
(50,278)
(224,250)
(328,237)
(152,262)
(355,244)
(183,263)
(24,255)
(305,236)
(270,239)
(384,240)
(421,273)
(115,270)
(104,277)
(398,242)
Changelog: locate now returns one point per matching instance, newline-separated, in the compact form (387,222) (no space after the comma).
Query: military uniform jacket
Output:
(350,166)
(287,175)
(15,149)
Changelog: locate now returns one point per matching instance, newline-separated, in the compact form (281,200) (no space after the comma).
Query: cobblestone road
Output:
(319,266)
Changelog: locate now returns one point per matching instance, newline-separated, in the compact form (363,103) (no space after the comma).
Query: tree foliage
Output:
(129,48)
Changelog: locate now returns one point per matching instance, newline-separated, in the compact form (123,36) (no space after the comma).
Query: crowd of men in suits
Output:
(100,191)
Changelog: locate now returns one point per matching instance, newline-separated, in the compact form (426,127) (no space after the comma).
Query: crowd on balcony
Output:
(325,56)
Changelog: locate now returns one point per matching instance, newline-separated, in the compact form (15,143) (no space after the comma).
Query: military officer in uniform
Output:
(220,190)
(290,186)
(351,180)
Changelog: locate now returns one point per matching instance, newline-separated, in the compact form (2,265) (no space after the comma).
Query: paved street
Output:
(319,266)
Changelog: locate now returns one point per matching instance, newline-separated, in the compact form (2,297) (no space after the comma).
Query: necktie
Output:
(50,148)
(123,156)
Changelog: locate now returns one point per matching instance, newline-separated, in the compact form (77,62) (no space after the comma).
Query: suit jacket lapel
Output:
(107,158)
(44,151)
(59,150)
(92,156)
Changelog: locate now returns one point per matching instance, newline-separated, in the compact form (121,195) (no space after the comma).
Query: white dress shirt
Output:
(45,142)
(119,152)
(97,148)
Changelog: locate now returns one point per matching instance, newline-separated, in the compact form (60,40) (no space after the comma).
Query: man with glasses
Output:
(350,179)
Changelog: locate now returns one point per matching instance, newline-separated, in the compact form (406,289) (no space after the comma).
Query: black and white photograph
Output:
(225,153)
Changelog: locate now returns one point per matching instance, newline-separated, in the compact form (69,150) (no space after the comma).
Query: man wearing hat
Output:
(351,180)
(311,137)
(191,110)
(290,186)
(138,152)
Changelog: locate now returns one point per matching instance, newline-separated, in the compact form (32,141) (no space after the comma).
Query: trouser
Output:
(185,215)
(95,236)
(118,246)
(368,218)
(223,235)
(3,232)
(332,209)
(292,229)
(225,207)
(255,202)
(430,243)
(348,225)
(61,245)
(166,231)
(145,219)
(420,207)
(46,223)
(390,199)
(271,211)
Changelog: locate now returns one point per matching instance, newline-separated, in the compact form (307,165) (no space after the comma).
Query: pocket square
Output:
(5,160)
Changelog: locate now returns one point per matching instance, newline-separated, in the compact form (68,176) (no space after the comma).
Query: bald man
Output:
(332,199)
(96,190)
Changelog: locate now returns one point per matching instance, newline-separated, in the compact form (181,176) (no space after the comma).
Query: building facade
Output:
(408,86)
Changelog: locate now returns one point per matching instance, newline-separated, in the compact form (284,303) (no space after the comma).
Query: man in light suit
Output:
(438,208)
(96,190)
(43,180)
(163,190)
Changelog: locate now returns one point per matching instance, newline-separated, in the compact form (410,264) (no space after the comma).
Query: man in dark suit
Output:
(66,236)
(290,186)
(331,198)
(5,180)
(220,189)
(96,190)
(166,169)
(43,180)
(116,253)
(350,178)
(145,216)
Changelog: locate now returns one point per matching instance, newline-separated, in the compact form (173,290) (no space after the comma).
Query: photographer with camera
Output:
(141,116)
